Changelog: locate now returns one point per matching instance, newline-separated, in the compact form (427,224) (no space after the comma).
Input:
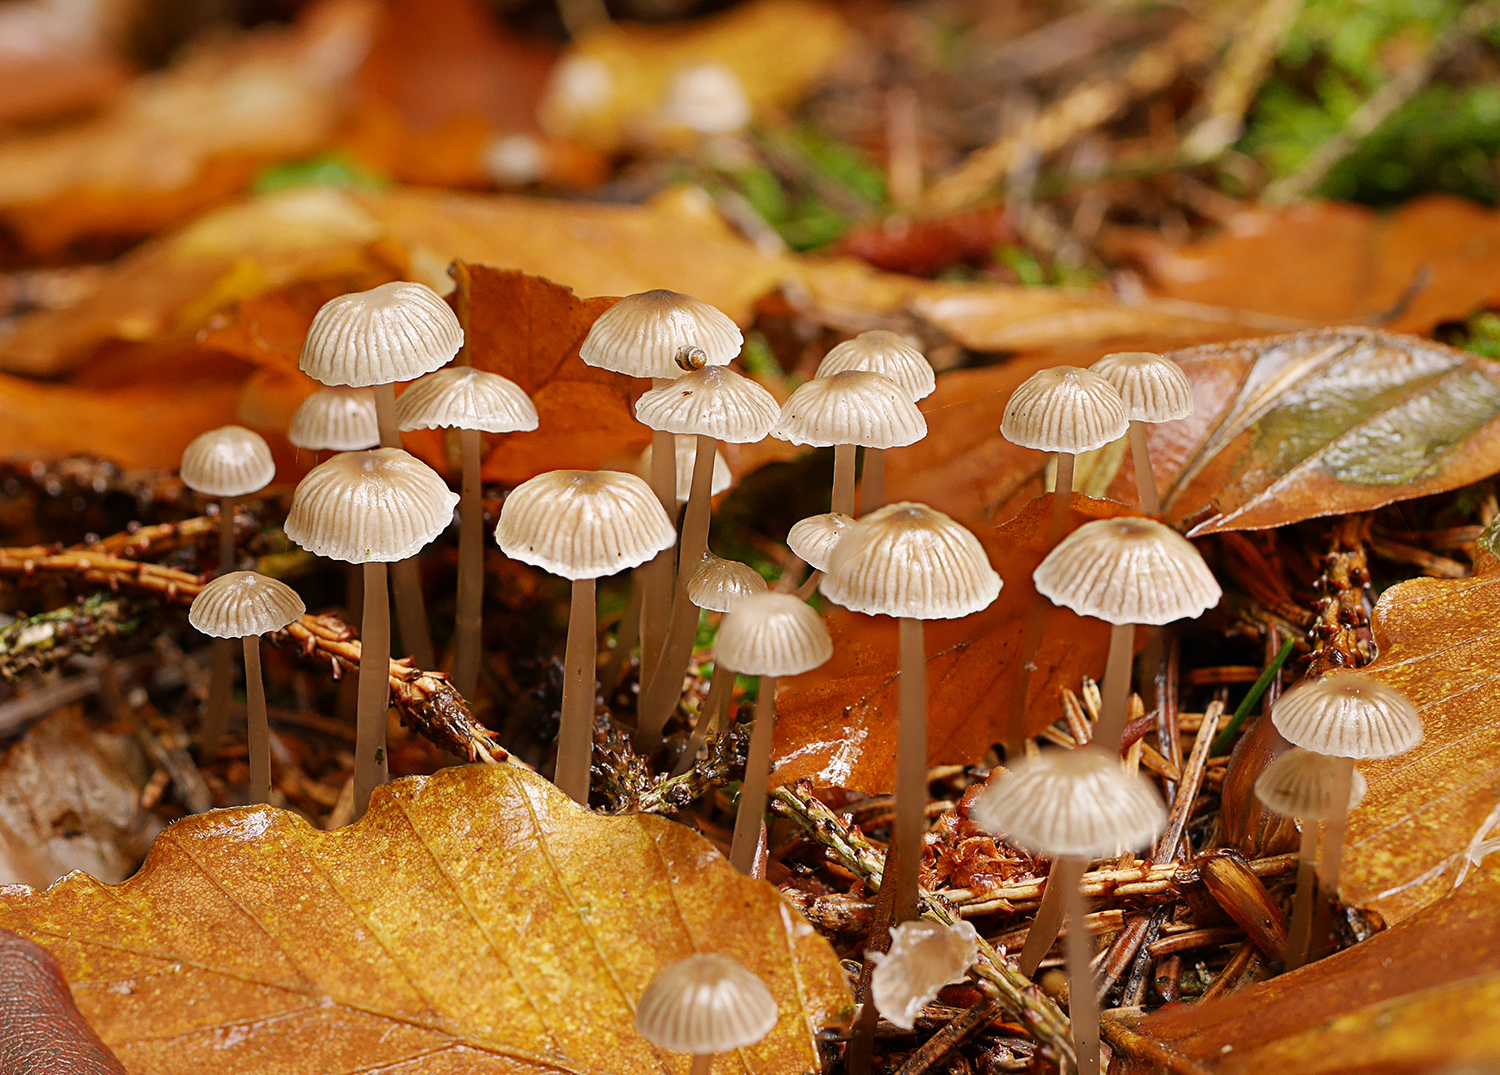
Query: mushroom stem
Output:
(626,637)
(753,791)
(805,591)
(872,481)
(701,1064)
(1333,832)
(1299,940)
(911,768)
(1145,478)
(1083,1003)
(255,716)
(221,653)
(656,575)
(695,522)
(842,500)
(468,621)
(710,719)
(411,609)
(1062,495)
(1115,692)
(575,734)
(1047,924)
(370,768)
(385,415)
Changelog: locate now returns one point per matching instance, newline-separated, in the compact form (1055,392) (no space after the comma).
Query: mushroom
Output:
(372,508)
(1154,389)
(909,561)
(228,462)
(1301,785)
(705,1004)
(922,958)
(814,539)
(767,635)
(246,605)
(582,524)
(474,403)
(339,418)
(1074,805)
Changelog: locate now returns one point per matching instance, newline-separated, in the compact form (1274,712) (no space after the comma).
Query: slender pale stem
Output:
(221,652)
(911,768)
(1115,691)
(710,719)
(842,500)
(1047,924)
(700,501)
(370,764)
(805,591)
(1062,497)
(469,621)
(1333,832)
(255,715)
(656,575)
(757,780)
(1145,478)
(701,1063)
(1299,940)
(575,735)
(872,481)
(405,582)
(1083,1004)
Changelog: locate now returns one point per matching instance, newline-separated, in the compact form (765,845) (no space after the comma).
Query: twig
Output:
(936,1048)
(1192,780)
(1237,78)
(46,639)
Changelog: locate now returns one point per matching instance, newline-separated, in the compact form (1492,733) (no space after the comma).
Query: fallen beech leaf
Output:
(836,725)
(474,921)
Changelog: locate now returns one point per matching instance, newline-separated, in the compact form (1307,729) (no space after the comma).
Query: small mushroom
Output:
(1153,389)
(338,418)
(703,1005)
(922,958)
(814,539)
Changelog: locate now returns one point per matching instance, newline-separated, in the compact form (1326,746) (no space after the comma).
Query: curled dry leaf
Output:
(39,1021)
(473,921)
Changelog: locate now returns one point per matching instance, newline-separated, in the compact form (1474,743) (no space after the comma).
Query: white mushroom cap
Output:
(394,332)
(686,450)
(719,584)
(711,402)
(1064,409)
(815,537)
(228,461)
(340,419)
(461,397)
(772,634)
(582,524)
(1072,802)
(853,407)
(706,1003)
(707,98)
(367,507)
(923,957)
(887,353)
(909,560)
(1300,784)
(1152,387)
(644,335)
(1348,715)
(1128,570)
(244,603)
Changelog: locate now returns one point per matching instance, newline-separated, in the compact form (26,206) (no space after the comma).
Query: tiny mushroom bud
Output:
(705,1004)
(1153,389)
(923,957)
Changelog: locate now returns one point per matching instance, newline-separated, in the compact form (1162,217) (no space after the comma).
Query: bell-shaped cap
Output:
(685,449)
(1348,715)
(244,603)
(772,634)
(1128,570)
(582,524)
(711,402)
(228,461)
(923,957)
(339,419)
(1152,386)
(1064,409)
(1072,802)
(851,408)
(394,332)
(887,353)
(369,507)
(815,537)
(1300,784)
(653,333)
(461,397)
(718,584)
(908,560)
(706,1003)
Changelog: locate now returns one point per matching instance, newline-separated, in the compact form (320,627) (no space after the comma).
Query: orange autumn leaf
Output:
(473,921)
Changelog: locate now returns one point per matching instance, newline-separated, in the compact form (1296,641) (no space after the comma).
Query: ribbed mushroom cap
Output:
(244,603)
(772,634)
(1300,784)
(887,353)
(1064,409)
(461,397)
(711,402)
(1152,386)
(1348,715)
(706,1003)
(719,584)
(908,560)
(1128,571)
(1072,802)
(228,461)
(686,451)
(815,537)
(339,419)
(394,332)
(644,335)
(923,957)
(582,524)
(368,507)
(851,408)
